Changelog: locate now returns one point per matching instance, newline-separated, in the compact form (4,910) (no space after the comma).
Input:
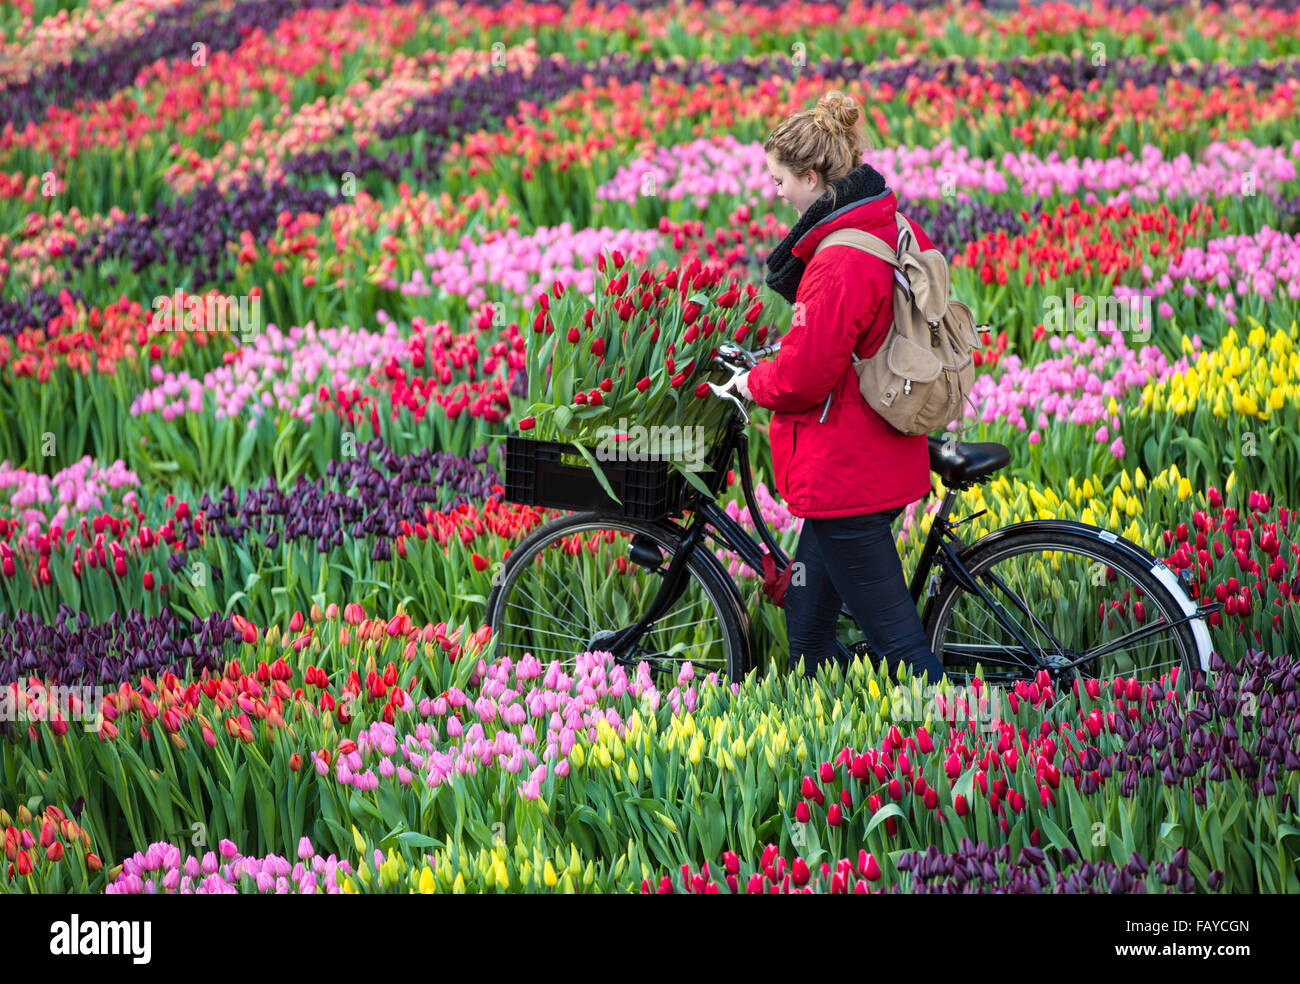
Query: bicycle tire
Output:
(720,591)
(1189,640)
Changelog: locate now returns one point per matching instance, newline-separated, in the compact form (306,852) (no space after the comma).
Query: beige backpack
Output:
(920,379)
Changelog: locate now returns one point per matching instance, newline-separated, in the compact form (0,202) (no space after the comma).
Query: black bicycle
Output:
(1053,595)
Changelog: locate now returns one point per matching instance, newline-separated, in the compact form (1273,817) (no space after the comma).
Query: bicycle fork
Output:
(621,641)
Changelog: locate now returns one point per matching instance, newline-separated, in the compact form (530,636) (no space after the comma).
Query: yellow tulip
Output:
(548,875)
(696,751)
(667,821)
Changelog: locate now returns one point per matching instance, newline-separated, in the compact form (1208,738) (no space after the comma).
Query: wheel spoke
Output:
(1059,605)
(542,604)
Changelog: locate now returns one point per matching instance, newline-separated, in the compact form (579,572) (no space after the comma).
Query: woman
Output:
(837,463)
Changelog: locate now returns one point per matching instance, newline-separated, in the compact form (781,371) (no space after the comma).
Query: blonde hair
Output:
(825,139)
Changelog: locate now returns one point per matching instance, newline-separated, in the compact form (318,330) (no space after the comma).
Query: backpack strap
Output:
(859,239)
(868,243)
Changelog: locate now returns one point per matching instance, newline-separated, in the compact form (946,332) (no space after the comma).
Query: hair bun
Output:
(837,112)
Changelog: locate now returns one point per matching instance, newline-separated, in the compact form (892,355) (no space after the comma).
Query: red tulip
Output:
(730,862)
(870,868)
(812,791)
(799,869)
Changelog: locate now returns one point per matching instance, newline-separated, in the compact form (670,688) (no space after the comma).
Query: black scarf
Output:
(786,269)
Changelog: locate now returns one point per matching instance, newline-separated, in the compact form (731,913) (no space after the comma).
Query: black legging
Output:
(854,558)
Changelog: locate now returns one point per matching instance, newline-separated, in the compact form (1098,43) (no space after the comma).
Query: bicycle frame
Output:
(942,545)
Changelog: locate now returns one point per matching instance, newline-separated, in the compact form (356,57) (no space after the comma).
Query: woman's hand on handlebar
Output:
(741,385)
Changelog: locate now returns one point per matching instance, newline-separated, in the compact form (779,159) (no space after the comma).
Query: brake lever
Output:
(724,390)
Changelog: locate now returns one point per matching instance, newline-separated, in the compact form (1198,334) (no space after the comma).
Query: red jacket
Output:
(853,462)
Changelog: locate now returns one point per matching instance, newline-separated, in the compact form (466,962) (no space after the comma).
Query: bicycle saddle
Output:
(967,461)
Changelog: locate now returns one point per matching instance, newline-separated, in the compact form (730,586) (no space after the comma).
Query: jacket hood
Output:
(870,214)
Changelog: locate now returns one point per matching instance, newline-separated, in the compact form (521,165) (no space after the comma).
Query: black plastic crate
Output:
(649,488)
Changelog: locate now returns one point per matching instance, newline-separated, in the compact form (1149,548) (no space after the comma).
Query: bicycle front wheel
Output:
(571,584)
(1068,597)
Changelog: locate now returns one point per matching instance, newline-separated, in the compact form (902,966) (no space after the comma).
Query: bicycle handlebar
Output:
(739,361)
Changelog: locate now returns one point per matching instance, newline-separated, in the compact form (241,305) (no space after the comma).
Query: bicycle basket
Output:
(538,474)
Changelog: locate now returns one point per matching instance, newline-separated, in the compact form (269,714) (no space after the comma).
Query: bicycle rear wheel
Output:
(1088,603)
(572,583)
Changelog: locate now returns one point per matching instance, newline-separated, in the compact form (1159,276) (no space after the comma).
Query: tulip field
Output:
(278,279)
